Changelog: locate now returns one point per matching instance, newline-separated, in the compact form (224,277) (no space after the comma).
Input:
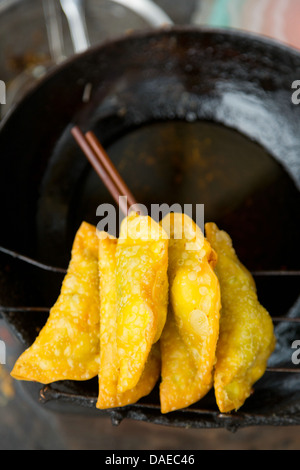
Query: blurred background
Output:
(36,36)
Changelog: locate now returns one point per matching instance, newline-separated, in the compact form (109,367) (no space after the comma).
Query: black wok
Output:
(188,116)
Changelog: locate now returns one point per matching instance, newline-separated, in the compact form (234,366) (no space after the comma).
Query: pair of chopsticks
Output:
(105,169)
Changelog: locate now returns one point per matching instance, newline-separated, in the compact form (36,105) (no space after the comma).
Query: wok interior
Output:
(187,118)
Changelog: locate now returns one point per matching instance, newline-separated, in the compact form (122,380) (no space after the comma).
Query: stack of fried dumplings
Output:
(162,303)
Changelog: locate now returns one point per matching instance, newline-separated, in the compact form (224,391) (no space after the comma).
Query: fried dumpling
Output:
(67,347)
(142,294)
(195,309)
(246,338)
(109,397)
(181,385)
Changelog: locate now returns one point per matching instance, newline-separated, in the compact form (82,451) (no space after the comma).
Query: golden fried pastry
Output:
(195,305)
(181,384)
(142,294)
(109,396)
(67,347)
(246,329)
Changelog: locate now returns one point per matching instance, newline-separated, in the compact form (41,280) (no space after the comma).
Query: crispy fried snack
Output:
(189,340)
(142,294)
(109,361)
(181,384)
(246,329)
(67,347)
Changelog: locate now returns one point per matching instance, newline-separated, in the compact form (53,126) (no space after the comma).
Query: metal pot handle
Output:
(74,11)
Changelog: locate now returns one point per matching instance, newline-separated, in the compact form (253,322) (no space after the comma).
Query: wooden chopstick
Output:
(105,176)
(110,168)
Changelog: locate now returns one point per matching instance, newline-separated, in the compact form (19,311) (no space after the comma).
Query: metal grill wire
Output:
(54,269)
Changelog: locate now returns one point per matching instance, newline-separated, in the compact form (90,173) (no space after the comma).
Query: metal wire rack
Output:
(54,269)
